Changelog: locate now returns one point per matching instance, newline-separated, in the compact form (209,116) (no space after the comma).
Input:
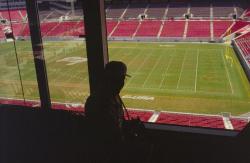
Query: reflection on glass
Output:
(65,54)
(17,72)
(193,84)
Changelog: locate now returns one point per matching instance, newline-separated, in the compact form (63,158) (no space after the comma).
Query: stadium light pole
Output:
(38,53)
(96,40)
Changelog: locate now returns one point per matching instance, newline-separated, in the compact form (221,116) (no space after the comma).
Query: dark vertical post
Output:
(96,39)
(37,46)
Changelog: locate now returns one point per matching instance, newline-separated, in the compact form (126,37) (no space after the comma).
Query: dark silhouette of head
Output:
(114,76)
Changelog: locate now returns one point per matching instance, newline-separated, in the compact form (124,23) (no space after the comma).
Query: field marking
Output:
(182,65)
(182,90)
(152,70)
(144,61)
(165,73)
(232,91)
(196,71)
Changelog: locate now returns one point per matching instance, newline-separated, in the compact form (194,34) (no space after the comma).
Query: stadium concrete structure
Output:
(145,20)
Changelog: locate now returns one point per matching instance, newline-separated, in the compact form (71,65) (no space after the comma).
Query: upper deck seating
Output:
(177,9)
(223,9)
(116,11)
(134,10)
(200,9)
(156,10)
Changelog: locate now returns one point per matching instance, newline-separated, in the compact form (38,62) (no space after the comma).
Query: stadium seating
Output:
(14,15)
(126,28)
(191,120)
(149,28)
(110,26)
(134,11)
(116,11)
(243,43)
(173,29)
(238,25)
(156,11)
(200,9)
(143,115)
(220,27)
(62,29)
(46,27)
(238,123)
(177,9)
(223,9)
(2,36)
(198,29)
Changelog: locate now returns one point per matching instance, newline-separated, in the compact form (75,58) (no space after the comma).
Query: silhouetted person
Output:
(104,110)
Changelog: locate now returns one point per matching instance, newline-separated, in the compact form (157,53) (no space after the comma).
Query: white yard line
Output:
(165,74)
(152,70)
(196,72)
(231,86)
(182,65)
(139,68)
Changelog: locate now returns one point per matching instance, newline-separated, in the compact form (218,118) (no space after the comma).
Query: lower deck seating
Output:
(198,29)
(126,28)
(220,27)
(149,28)
(173,29)
(182,119)
(238,123)
(191,120)
(143,115)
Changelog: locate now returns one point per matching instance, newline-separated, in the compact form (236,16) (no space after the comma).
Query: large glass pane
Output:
(182,71)
(65,54)
(17,72)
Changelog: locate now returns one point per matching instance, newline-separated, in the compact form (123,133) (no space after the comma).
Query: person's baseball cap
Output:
(116,69)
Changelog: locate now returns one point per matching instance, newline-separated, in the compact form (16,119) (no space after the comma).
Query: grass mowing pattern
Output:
(200,78)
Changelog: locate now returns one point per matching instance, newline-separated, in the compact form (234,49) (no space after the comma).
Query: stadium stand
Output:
(243,43)
(191,120)
(149,28)
(116,11)
(200,9)
(220,27)
(223,9)
(126,28)
(62,29)
(143,115)
(237,26)
(198,29)
(156,11)
(177,9)
(239,123)
(15,15)
(134,10)
(173,29)
(110,26)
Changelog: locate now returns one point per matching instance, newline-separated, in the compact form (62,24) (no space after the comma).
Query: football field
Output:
(181,77)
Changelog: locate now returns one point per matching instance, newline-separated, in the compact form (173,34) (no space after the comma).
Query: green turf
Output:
(184,77)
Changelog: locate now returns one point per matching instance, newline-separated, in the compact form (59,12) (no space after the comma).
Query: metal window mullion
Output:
(38,53)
